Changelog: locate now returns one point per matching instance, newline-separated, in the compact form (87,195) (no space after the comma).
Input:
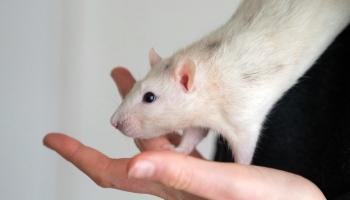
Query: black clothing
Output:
(308,130)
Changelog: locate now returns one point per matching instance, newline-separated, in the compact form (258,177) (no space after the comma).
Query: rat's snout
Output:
(118,124)
(126,123)
(115,120)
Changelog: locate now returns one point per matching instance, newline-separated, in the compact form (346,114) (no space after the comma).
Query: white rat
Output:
(229,80)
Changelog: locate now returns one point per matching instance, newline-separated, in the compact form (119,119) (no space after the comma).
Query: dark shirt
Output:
(308,130)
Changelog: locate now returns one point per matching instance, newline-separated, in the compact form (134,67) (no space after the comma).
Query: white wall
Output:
(55,59)
(29,101)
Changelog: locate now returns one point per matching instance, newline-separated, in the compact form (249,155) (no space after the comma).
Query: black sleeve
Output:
(308,130)
(343,197)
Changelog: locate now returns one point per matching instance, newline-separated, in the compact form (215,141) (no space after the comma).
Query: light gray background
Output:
(55,60)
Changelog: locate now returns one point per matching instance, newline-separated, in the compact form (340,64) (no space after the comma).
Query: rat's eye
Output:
(149,97)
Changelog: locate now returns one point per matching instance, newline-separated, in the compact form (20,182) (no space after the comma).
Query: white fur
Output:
(242,69)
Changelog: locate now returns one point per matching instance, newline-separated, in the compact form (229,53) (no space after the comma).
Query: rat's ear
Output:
(185,73)
(154,58)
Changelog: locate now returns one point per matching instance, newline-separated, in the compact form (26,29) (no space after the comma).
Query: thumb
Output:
(183,172)
(213,180)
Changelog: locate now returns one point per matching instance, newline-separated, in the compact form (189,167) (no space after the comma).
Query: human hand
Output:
(175,176)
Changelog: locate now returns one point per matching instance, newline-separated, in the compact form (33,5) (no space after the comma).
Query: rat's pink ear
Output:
(185,73)
(154,58)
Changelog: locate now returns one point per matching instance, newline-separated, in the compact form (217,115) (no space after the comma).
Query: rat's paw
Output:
(185,150)
(179,149)
(169,147)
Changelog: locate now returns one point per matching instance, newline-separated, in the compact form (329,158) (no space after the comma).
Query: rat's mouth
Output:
(134,128)
(134,131)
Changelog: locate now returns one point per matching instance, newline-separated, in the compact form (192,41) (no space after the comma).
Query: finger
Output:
(123,79)
(161,143)
(213,180)
(152,144)
(102,170)
(175,139)
(188,174)
(90,161)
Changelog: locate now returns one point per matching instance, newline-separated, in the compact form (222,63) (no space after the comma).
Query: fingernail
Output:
(142,169)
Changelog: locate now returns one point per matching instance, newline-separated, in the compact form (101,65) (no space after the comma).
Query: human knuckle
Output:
(74,155)
(102,182)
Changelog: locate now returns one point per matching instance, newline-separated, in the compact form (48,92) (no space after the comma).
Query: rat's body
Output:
(229,80)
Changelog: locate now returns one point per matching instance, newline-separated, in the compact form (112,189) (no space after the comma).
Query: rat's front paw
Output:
(184,149)
(169,147)
(179,149)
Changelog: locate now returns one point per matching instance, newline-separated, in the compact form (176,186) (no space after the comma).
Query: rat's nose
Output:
(116,124)
(114,120)
(119,125)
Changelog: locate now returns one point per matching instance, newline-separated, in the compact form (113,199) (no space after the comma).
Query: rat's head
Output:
(161,102)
